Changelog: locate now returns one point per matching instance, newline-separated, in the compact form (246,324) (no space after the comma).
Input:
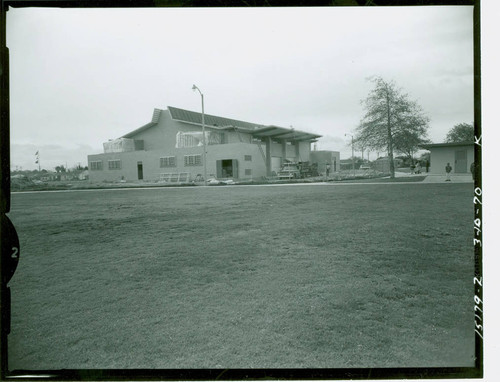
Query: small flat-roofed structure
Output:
(459,155)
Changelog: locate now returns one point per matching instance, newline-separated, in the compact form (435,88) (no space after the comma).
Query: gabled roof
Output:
(221,123)
(154,121)
(210,120)
(136,131)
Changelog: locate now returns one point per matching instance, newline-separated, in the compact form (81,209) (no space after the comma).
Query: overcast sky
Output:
(82,76)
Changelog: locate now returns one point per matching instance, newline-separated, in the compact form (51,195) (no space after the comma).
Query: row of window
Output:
(168,162)
(112,165)
(189,160)
(192,160)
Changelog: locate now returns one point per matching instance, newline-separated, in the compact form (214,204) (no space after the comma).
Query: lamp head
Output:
(194,87)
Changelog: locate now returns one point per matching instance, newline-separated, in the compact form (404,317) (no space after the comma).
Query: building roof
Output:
(451,144)
(257,130)
(221,123)
(325,151)
(210,120)
(154,121)
(284,133)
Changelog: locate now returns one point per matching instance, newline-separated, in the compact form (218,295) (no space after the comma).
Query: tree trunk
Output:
(391,157)
(389,135)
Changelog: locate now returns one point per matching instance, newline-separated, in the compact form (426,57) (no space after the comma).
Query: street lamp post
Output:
(203,132)
(352,148)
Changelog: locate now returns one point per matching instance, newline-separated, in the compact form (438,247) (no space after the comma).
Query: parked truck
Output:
(289,170)
(292,170)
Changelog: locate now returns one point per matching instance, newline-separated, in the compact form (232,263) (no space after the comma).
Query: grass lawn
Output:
(305,276)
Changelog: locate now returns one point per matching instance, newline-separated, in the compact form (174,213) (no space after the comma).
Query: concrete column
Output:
(283,150)
(297,151)
(268,156)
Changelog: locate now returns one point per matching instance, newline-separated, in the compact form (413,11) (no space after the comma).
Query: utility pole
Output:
(37,155)
(352,150)
(203,132)
(352,147)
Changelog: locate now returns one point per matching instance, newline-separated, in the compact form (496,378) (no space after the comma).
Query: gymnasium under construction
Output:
(170,148)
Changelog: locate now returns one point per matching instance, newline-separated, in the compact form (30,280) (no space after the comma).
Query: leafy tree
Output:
(463,132)
(425,157)
(409,142)
(391,122)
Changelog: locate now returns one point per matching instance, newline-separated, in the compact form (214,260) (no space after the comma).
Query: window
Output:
(115,164)
(167,162)
(248,158)
(195,138)
(96,165)
(248,171)
(192,160)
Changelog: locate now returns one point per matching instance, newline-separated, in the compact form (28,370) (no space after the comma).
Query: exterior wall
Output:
(304,151)
(237,151)
(154,137)
(323,157)
(163,136)
(151,162)
(291,153)
(276,149)
(237,137)
(160,139)
(128,171)
(440,156)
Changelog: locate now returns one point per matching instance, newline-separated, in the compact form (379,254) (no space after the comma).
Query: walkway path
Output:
(455,178)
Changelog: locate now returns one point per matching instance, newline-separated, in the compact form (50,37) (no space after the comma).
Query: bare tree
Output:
(391,122)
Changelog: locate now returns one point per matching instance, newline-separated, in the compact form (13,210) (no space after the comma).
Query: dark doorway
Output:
(227,168)
(461,161)
(139,171)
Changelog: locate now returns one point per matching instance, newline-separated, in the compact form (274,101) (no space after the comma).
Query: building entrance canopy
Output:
(275,132)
